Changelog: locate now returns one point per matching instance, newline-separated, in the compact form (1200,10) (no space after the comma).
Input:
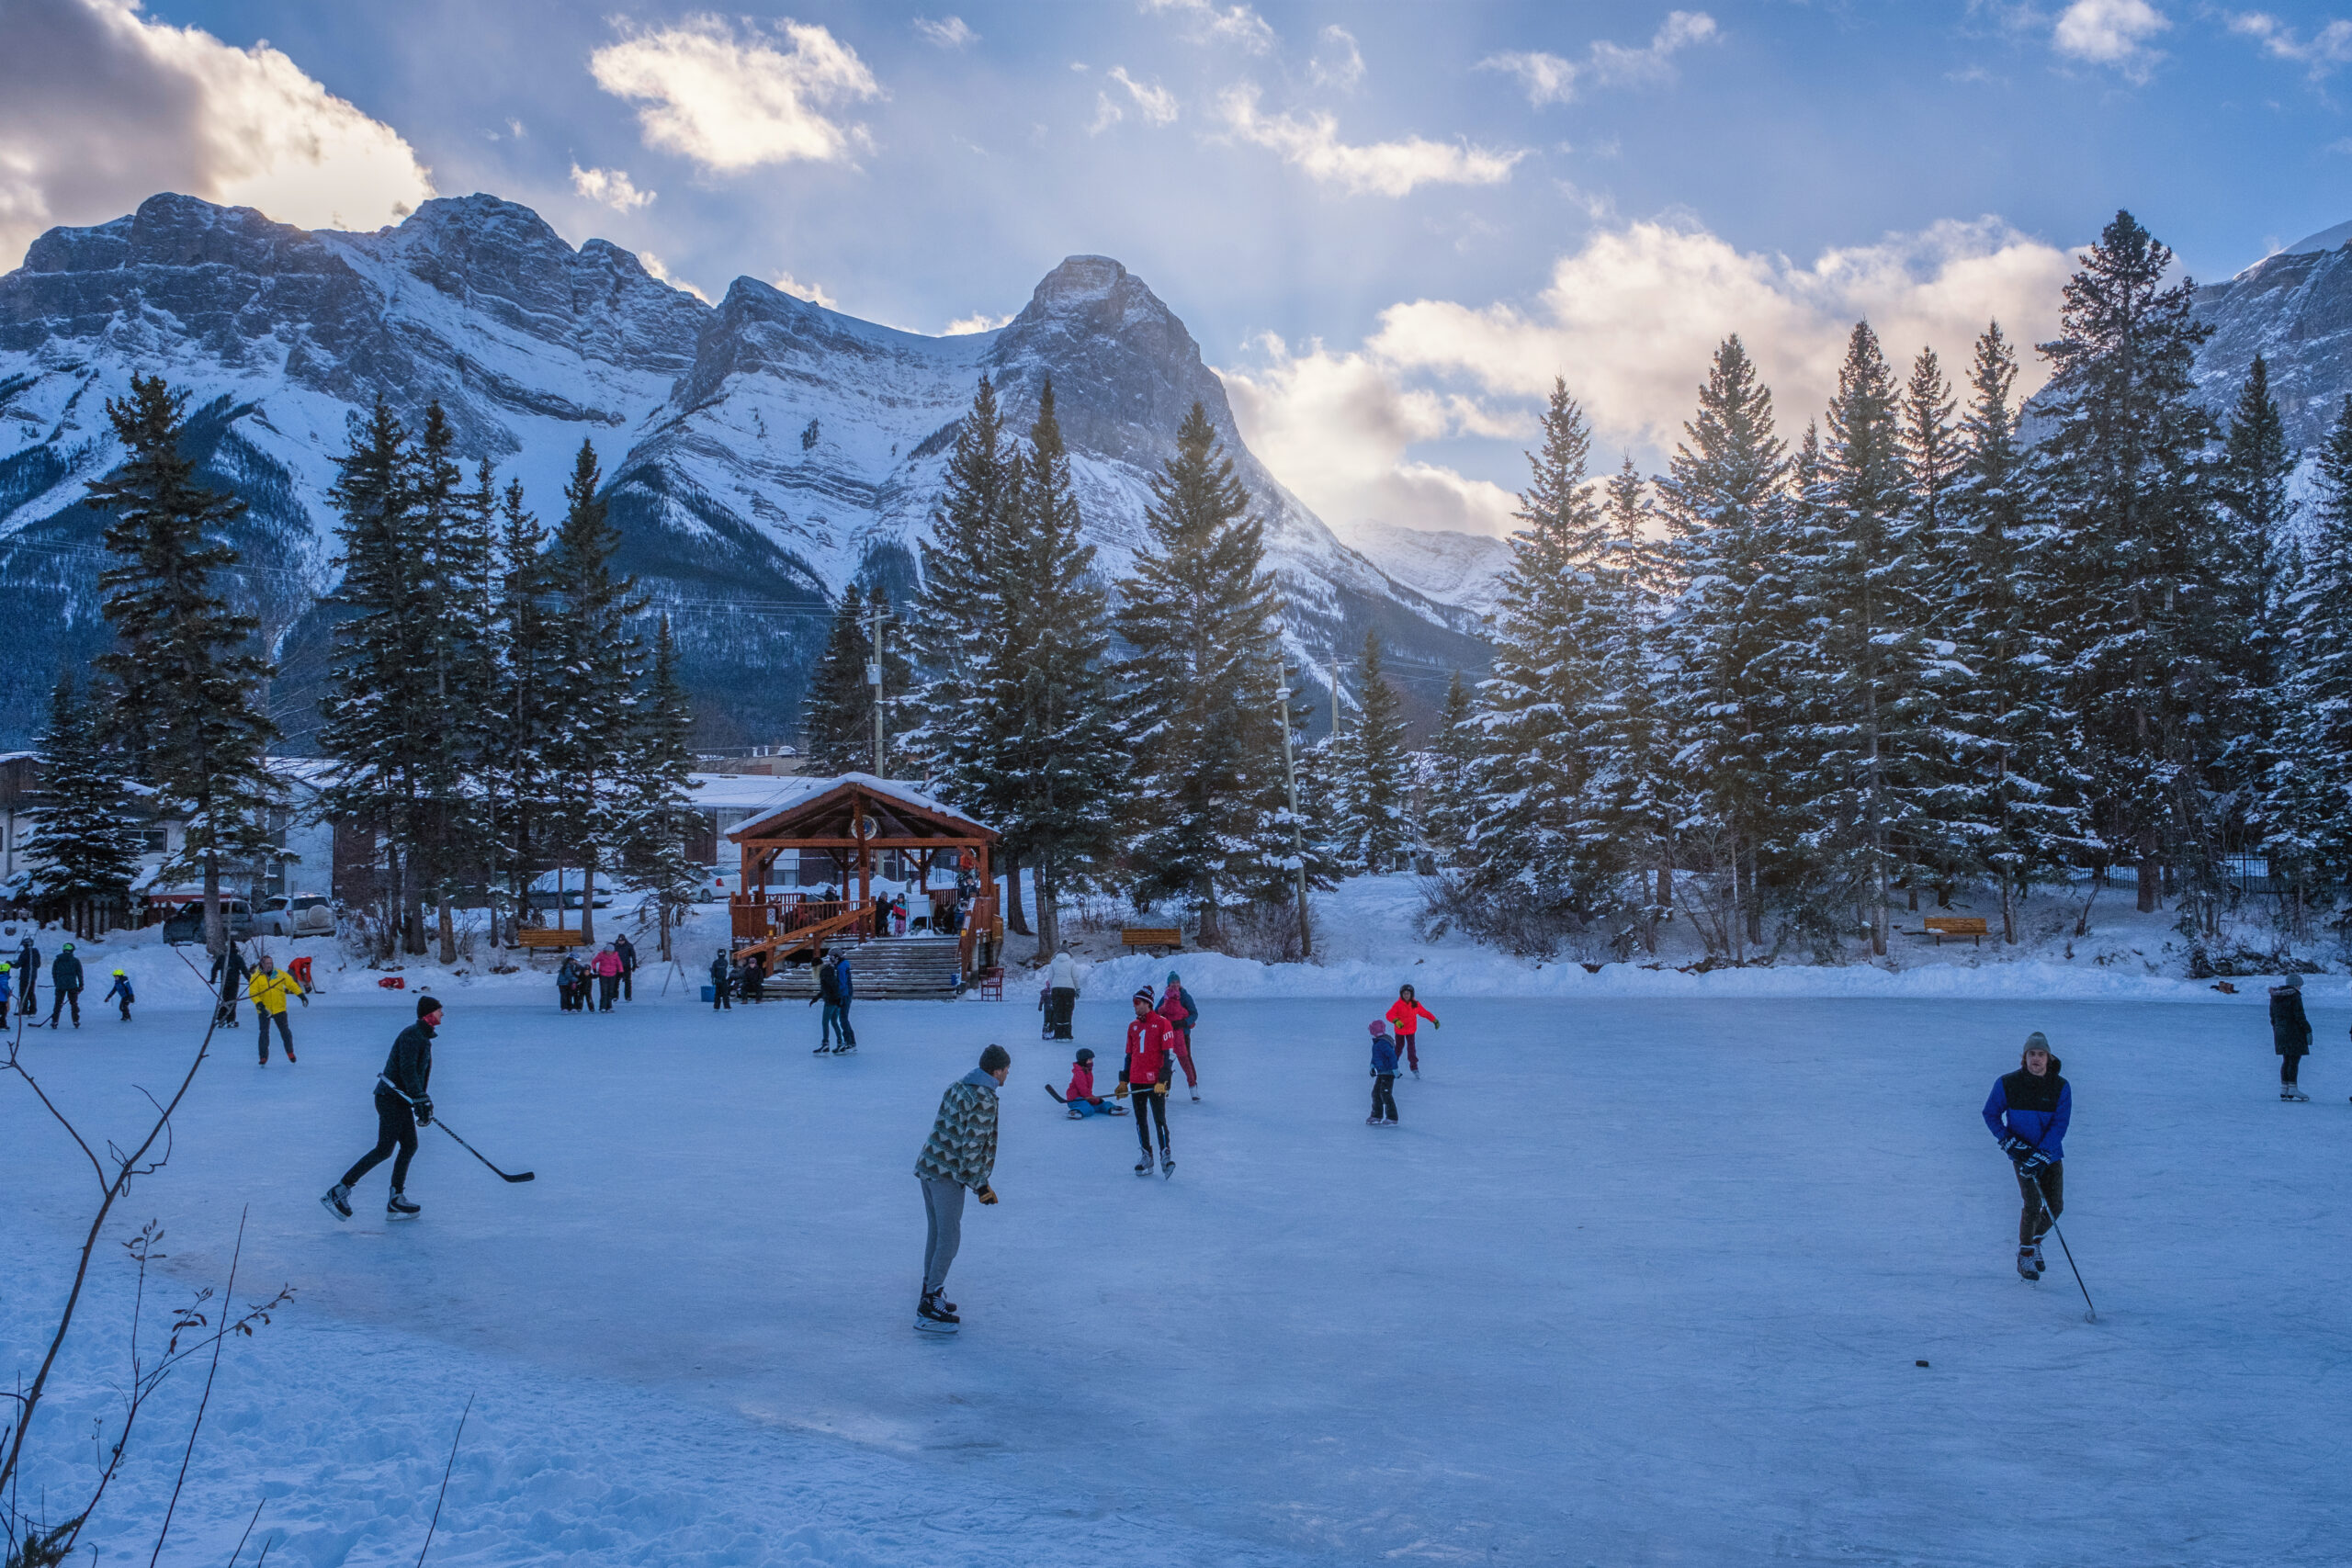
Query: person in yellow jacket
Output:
(269,988)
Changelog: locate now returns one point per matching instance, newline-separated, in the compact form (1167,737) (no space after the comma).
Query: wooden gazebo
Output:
(849,819)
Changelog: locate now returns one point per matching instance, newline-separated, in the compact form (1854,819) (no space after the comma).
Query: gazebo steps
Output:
(907,967)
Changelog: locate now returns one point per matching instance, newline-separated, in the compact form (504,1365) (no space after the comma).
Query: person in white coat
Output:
(1062,996)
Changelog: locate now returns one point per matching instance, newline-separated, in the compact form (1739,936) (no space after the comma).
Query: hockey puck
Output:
(1918,1363)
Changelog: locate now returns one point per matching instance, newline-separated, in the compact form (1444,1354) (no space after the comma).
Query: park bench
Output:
(1165,937)
(549,938)
(1941,926)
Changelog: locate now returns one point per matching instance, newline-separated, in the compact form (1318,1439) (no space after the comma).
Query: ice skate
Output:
(1143,1166)
(399,1207)
(2295,1091)
(935,1317)
(1374,1121)
(1168,1168)
(2041,1265)
(2029,1264)
(337,1200)
(1074,1114)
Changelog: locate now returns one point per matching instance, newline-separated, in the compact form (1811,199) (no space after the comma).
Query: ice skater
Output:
(1081,1097)
(28,975)
(1406,1016)
(1384,1077)
(1176,1006)
(120,993)
(1150,1043)
(722,984)
(2029,1110)
(1061,995)
(2291,1035)
(402,1105)
(65,981)
(269,988)
(229,973)
(959,1154)
(834,990)
(607,965)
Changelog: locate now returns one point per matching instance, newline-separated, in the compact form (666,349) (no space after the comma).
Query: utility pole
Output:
(1335,688)
(1297,829)
(873,677)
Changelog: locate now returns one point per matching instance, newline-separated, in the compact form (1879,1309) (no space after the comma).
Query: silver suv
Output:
(296,914)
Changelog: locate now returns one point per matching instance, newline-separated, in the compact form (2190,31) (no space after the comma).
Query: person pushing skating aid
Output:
(1383,1077)
(402,1105)
(2029,1110)
(2291,1035)
(1150,1043)
(959,1155)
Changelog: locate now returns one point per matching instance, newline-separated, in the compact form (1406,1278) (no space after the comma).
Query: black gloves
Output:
(425,1113)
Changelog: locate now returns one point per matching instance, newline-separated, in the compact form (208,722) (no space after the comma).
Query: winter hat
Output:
(1142,995)
(2037,1040)
(996,1058)
(1172,979)
(68,948)
(1085,1054)
(1380,1026)
(2294,979)
(426,1006)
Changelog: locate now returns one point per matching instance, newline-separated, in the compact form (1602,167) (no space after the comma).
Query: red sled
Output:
(393,982)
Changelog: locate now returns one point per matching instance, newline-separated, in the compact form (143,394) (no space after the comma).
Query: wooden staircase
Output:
(902,968)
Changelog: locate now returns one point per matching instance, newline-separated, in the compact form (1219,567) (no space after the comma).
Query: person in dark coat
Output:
(403,1103)
(28,976)
(627,950)
(66,980)
(567,981)
(230,973)
(2029,1112)
(722,984)
(2290,1034)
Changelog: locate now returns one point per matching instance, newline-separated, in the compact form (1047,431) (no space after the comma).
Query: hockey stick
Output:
(502,1175)
(2090,1316)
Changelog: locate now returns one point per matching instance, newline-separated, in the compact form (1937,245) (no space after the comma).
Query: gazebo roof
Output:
(828,808)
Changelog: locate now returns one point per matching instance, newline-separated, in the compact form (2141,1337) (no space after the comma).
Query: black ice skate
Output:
(400,1208)
(337,1200)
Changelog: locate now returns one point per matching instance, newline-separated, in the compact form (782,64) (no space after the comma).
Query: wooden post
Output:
(865,852)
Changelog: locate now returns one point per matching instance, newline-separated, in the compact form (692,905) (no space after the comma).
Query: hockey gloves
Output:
(986,1194)
(425,1113)
(2033,1163)
(2015,1146)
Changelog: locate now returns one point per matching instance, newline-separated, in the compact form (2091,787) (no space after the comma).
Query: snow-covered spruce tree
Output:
(83,846)
(517,768)
(837,707)
(597,666)
(1452,810)
(1631,804)
(1536,705)
(2142,594)
(183,664)
(656,811)
(2259,512)
(460,549)
(965,610)
(1210,822)
(1932,847)
(1053,750)
(1375,796)
(2018,807)
(2306,804)
(1727,559)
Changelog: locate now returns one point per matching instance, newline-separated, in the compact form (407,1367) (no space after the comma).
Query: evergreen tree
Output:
(1629,814)
(1446,766)
(966,606)
(2143,598)
(2251,483)
(185,670)
(1210,798)
(837,709)
(1374,798)
(657,813)
(84,847)
(1728,556)
(2306,807)
(517,765)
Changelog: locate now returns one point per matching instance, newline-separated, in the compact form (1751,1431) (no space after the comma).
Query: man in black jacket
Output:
(627,950)
(65,981)
(722,983)
(402,1105)
(28,976)
(2291,1035)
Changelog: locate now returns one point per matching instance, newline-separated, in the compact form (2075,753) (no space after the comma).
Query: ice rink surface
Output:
(1636,1281)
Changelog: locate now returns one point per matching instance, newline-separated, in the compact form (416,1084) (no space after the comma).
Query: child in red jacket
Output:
(1080,1098)
(1406,1016)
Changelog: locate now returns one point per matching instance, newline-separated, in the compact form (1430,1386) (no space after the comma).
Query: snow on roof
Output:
(797,789)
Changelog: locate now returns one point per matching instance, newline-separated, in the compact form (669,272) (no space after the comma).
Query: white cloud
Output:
(1338,64)
(1549,79)
(948,32)
(659,270)
(101,109)
(2322,52)
(611,187)
(978,321)
(1153,102)
(1107,114)
(1236,25)
(812,292)
(732,102)
(1380,168)
(2111,32)
(1631,320)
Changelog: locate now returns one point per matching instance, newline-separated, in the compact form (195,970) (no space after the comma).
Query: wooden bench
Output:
(549,938)
(1167,937)
(1941,926)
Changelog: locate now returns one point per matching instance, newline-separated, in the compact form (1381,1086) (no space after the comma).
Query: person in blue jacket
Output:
(1384,1077)
(121,992)
(2029,1110)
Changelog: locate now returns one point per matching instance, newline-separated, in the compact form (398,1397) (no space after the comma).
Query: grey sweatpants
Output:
(943,1208)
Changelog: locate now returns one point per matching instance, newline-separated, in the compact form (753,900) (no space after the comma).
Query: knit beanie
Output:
(427,1007)
(1143,996)
(2037,1040)
(2294,979)
(1380,1026)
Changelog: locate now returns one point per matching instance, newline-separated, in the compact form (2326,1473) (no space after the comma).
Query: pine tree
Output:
(965,607)
(1446,766)
(2143,600)
(2259,509)
(1631,806)
(1210,813)
(1933,847)
(837,709)
(1374,824)
(2306,805)
(518,769)
(657,811)
(1728,555)
(1545,676)
(185,671)
(84,847)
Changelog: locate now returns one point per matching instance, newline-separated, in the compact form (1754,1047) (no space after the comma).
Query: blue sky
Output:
(1390,225)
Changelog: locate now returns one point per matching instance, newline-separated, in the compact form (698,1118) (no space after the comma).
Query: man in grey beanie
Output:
(959,1154)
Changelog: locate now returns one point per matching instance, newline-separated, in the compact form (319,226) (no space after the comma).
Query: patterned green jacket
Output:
(962,1145)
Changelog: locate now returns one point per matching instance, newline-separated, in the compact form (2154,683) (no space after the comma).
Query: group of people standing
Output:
(731,979)
(611,973)
(20,984)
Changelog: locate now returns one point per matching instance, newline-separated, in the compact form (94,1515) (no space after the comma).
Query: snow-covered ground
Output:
(1640,1280)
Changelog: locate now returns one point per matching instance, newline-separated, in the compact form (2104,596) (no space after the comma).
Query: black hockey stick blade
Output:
(1057,1094)
(502,1175)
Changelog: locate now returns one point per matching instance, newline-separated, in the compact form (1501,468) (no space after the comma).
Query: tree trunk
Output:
(2151,876)
(587,901)
(1049,918)
(1015,919)
(213,935)
(446,913)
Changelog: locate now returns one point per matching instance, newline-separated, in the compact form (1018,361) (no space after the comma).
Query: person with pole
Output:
(2291,1035)
(65,982)
(269,988)
(2029,1112)
(1152,1043)
(28,976)
(959,1155)
(402,1105)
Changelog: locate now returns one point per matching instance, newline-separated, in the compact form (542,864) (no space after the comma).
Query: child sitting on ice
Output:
(1384,1077)
(1082,1098)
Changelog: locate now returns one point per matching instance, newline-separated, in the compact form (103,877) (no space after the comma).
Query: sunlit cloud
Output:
(2111,32)
(1551,79)
(978,321)
(1338,63)
(814,293)
(610,187)
(732,101)
(2322,52)
(947,32)
(1311,143)
(656,268)
(1236,25)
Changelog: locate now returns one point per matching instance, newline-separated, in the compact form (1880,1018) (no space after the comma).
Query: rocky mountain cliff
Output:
(2295,310)
(761,454)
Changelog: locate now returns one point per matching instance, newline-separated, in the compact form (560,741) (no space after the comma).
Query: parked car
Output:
(186,922)
(296,914)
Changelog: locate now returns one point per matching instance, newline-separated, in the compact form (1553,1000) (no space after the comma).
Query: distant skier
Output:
(1081,1097)
(28,975)
(626,951)
(2291,1035)
(1150,1044)
(1061,996)
(269,988)
(119,992)
(722,984)
(1406,1016)
(1383,1077)
(402,1105)
(66,980)
(2029,1110)
(1177,1008)
(960,1153)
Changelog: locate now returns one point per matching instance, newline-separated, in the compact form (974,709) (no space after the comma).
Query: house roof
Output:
(801,802)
